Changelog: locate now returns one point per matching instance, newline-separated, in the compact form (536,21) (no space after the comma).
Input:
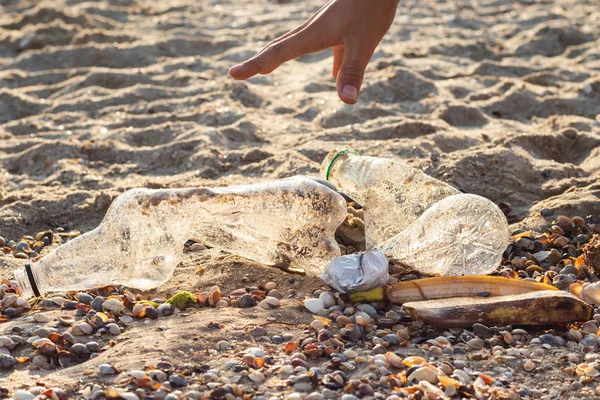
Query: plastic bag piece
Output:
(357,272)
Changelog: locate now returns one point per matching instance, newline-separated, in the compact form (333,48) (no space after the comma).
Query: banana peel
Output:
(546,307)
(444,287)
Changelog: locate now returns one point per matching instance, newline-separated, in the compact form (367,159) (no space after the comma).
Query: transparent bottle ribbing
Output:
(419,220)
(392,194)
(289,223)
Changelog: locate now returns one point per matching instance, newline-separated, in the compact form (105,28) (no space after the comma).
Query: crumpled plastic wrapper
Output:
(357,272)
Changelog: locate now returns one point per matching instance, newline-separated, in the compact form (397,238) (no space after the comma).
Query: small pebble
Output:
(257,377)
(246,301)
(258,331)
(316,324)
(40,318)
(327,299)
(106,369)
(177,380)
(528,365)
(270,286)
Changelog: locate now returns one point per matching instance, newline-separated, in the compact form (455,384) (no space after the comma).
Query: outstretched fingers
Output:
(356,56)
(275,54)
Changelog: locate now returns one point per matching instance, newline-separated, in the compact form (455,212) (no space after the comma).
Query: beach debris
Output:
(154,224)
(534,308)
(435,231)
(359,271)
(447,287)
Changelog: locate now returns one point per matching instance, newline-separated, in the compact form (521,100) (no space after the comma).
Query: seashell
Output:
(257,377)
(411,361)
(327,299)
(23,303)
(126,319)
(529,365)
(94,347)
(165,309)
(590,340)
(6,342)
(97,303)
(9,300)
(562,281)
(151,312)
(235,365)
(81,329)
(37,390)
(43,332)
(423,374)
(236,294)
(575,335)
(58,300)
(202,298)
(38,342)
(47,349)
(113,329)
(40,318)
(114,306)
(66,359)
(158,375)
(68,338)
(139,310)
(80,350)
(315,306)
(97,320)
(23,247)
(548,338)
(394,359)
(66,320)
(41,361)
(137,374)
(85,298)
(214,296)
(106,369)
(589,327)
(476,343)
(362,318)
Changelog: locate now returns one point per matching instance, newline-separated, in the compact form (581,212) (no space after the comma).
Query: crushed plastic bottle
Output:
(420,220)
(289,223)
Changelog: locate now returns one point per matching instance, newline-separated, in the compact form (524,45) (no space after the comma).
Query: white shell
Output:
(82,329)
(6,342)
(315,306)
(113,306)
(424,374)
(327,299)
(23,303)
(137,374)
(23,395)
(40,342)
(113,329)
(40,318)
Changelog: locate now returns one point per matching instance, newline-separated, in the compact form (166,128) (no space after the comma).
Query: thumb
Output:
(352,71)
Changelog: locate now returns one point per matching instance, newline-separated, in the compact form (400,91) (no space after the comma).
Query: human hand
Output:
(352,28)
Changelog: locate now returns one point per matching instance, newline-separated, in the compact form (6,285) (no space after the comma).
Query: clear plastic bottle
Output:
(420,220)
(289,223)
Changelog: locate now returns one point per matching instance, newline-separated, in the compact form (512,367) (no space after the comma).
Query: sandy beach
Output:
(497,98)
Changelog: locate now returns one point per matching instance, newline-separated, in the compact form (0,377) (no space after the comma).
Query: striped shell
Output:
(113,306)
(236,294)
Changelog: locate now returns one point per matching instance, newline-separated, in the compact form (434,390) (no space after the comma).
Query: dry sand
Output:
(498,98)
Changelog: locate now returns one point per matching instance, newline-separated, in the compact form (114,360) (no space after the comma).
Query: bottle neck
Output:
(27,281)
